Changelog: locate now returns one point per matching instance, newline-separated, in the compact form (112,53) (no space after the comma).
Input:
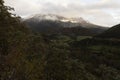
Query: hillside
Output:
(113,32)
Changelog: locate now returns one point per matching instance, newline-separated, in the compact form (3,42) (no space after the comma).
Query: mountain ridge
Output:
(54,23)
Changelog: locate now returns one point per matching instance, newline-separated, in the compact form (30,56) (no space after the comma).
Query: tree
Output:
(4,15)
(12,37)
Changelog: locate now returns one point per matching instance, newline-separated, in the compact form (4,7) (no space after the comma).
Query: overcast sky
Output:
(101,12)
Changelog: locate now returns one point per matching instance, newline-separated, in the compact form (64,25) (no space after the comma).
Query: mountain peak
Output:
(40,17)
(65,21)
(54,17)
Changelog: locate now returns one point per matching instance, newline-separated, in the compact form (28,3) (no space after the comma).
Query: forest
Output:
(29,55)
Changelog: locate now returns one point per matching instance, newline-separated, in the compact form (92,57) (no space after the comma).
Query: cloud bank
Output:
(101,12)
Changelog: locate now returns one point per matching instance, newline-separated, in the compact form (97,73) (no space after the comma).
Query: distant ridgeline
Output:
(109,37)
(113,32)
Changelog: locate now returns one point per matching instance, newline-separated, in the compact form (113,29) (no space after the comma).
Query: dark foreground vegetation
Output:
(33,56)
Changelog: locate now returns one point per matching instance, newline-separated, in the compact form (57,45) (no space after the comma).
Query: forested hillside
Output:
(113,32)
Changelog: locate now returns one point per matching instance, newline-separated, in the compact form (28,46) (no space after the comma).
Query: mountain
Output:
(113,32)
(40,17)
(50,23)
(54,17)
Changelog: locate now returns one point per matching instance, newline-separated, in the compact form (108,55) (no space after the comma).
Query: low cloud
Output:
(102,12)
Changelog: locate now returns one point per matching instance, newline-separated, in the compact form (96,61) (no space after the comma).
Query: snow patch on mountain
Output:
(53,17)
